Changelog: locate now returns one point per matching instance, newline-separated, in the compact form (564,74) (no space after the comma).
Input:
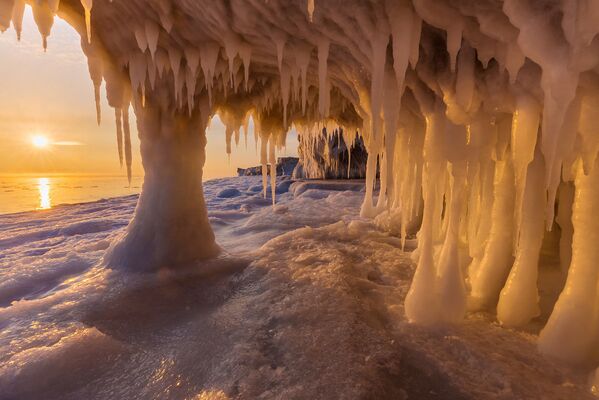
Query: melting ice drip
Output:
(479,112)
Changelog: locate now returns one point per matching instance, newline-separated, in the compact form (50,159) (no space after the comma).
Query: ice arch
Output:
(478,112)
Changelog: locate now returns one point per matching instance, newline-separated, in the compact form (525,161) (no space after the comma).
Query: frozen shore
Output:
(305,302)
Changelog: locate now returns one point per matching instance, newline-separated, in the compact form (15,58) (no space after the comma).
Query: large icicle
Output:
(519,299)
(421,303)
(402,21)
(264,163)
(488,274)
(170,226)
(577,305)
(525,126)
(119,132)
(127,141)
(451,287)
(273,168)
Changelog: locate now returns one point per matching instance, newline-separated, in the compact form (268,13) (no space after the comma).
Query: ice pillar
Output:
(170,226)
(571,332)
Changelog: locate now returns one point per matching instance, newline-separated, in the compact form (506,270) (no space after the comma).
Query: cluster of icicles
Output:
(480,117)
(329,156)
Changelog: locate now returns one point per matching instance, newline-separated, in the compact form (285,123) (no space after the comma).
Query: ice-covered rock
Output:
(285,167)
(328,156)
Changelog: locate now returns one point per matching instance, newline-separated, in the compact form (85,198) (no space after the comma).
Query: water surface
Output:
(40,192)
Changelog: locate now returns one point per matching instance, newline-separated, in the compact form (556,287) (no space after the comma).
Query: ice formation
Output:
(479,116)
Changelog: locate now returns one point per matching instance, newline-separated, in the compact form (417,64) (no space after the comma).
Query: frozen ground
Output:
(304,303)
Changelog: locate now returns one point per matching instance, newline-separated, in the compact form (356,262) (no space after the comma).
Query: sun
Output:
(40,141)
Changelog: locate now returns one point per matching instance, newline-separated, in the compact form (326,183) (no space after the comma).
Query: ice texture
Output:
(475,113)
(306,301)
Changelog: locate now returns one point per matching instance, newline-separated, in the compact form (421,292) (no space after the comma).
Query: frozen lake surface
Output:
(305,302)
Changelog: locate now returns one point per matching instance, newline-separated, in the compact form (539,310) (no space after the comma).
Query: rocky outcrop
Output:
(327,157)
(285,167)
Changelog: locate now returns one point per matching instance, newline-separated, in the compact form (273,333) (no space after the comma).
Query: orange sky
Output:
(51,94)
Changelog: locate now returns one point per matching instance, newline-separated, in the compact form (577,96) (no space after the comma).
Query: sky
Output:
(50,94)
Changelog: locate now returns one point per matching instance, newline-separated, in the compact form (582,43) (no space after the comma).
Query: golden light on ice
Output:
(40,141)
(43,185)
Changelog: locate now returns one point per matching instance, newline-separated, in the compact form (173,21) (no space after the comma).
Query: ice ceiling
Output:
(481,114)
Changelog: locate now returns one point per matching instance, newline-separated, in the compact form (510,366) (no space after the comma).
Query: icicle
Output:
(137,72)
(246,127)
(295,78)
(231,51)
(465,85)
(98,104)
(162,62)
(402,21)
(450,284)
(571,332)
(349,146)
(174,56)
(514,60)
(379,56)
(192,56)
(190,83)
(127,132)
(323,54)
(228,136)
(310,9)
(559,88)
(564,220)
(44,19)
(245,52)
(273,168)
(416,32)
(519,299)
(119,133)
(587,126)
(6,13)
(454,42)
(209,56)
(17,17)
(421,302)
(285,83)
(165,14)
(263,161)
(525,126)
(391,108)
(95,68)
(87,6)
(152,32)
(487,275)
(280,39)
(302,58)
(152,70)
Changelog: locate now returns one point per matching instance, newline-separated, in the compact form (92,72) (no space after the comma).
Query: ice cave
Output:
(478,118)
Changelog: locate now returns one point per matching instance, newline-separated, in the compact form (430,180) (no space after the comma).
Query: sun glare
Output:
(40,141)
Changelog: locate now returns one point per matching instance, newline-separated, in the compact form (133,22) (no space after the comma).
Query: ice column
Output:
(571,332)
(170,226)
(519,299)
(488,274)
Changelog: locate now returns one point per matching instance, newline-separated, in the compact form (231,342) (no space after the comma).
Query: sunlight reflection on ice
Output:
(212,395)
(43,185)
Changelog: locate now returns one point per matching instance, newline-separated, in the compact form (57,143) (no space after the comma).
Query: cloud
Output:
(67,143)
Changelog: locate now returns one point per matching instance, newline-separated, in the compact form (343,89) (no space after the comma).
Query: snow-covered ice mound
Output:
(305,303)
